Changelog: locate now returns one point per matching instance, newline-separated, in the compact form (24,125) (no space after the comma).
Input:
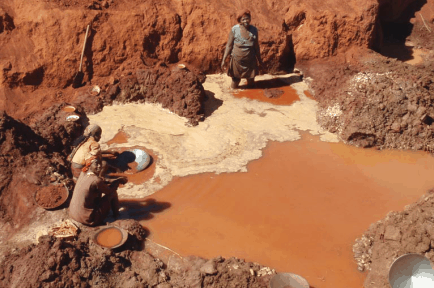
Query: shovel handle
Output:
(84,46)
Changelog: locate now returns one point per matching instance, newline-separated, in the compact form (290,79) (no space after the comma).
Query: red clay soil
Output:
(132,52)
(51,196)
(82,263)
(373,101)
(41,42)
(31,157)
(40,46)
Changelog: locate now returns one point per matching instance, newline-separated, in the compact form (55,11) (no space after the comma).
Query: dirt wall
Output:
(42,41)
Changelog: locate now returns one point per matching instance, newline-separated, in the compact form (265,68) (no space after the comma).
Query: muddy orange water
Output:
(109,237)
(120,138)
(288,97)
(298,209)
(308,95)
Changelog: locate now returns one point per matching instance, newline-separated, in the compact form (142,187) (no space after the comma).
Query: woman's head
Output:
(244,17)
(94,131)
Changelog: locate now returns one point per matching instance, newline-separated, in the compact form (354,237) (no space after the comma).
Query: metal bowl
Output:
(95,90)
(283,280)
(71,118)
(69,108)
(65,195)
(142,158)
(411,270)
(122,231)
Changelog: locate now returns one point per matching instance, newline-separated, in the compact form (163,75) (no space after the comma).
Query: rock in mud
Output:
(273,93)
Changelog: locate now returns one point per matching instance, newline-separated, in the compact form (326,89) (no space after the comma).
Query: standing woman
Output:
(244,45)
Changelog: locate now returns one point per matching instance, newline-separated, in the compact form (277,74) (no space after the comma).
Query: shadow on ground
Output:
(210,104)
(141,209)
(274,83)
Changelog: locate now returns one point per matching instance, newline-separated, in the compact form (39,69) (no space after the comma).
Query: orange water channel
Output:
(298,209)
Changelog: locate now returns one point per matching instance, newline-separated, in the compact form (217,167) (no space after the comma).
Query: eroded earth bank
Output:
(368,65)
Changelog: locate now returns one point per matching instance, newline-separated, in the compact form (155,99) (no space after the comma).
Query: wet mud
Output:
(120,138)
(274,91)
(297,209)
(128,167)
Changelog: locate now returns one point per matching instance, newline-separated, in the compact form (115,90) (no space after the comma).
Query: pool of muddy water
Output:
(289,95)
(298,209)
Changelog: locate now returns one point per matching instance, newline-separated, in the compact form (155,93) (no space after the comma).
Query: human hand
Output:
(223,65)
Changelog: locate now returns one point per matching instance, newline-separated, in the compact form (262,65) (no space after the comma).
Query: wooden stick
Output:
(84,47)
(426,26)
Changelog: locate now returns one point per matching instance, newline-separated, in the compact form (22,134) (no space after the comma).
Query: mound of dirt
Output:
(32,156)
(179,90)
(81,263)
(377,102)
(408,231)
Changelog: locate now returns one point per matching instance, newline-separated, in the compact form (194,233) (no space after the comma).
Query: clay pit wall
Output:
(41,41)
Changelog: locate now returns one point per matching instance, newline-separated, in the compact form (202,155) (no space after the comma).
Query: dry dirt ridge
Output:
(81,263)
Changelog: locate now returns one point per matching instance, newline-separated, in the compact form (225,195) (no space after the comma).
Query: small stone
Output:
(396,127)
(209,268)
(392,233)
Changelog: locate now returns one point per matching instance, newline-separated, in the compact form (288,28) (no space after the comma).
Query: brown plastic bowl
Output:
(72,118)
